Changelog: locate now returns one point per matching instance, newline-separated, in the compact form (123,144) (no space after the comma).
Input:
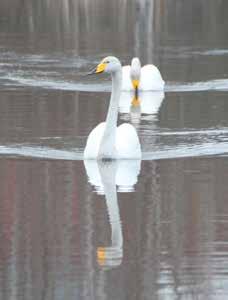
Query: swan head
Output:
(135,72)
(109,64)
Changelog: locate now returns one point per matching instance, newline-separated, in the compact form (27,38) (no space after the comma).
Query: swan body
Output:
(106,140)
(127,145)
(146,78)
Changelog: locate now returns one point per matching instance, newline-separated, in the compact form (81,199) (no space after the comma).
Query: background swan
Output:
(146,78)
(106,140)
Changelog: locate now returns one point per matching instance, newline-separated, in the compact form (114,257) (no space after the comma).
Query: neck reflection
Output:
(145,103)
(105,177)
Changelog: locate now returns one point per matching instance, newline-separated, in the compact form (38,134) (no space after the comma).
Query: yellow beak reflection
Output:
(101,256)
(135,102)
(101,67)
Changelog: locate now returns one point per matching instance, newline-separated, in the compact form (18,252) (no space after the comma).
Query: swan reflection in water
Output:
(106,177)
(147,103)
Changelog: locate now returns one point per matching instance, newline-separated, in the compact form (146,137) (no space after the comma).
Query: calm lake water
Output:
(150,229)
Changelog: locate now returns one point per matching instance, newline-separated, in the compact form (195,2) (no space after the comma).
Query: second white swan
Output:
(106,140)
(146,78)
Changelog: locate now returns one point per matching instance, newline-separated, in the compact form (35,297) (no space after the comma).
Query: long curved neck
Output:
(107,145)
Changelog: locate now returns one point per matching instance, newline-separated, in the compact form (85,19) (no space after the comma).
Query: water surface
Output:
(150,229)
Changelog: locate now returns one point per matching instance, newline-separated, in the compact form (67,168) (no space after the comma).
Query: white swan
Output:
(106,140)
(147,78)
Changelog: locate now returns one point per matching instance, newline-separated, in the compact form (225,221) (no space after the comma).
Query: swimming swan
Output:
(106,140)
(147,78)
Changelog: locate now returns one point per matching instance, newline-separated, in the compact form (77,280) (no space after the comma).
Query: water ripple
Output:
(44,81)
(49,83)
(213,52)
(162,152)
(200,86)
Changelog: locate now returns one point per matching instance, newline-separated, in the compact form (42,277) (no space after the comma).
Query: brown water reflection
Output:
(174,232)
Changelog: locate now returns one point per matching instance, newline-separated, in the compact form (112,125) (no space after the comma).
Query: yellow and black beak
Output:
(135,84)
(98,69)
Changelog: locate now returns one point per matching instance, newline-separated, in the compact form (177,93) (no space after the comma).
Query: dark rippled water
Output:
(150,229)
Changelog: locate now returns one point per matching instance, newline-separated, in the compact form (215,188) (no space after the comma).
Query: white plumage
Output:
(127,144)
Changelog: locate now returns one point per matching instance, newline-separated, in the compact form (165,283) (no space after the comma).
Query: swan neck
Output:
(112,115)
(107,146)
